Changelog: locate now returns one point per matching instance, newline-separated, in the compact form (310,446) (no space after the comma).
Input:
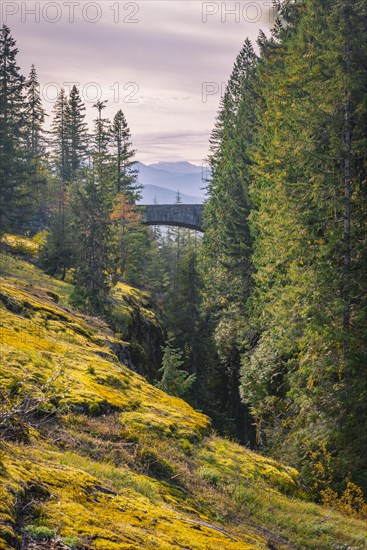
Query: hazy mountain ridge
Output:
(183,167)
(152,194)
(163,180)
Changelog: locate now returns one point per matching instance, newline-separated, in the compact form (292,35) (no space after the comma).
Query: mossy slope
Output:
(105,460)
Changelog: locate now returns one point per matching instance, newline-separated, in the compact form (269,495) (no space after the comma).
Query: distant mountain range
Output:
(163,180)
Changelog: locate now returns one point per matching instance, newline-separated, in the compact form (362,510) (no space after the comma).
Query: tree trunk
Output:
(347,226)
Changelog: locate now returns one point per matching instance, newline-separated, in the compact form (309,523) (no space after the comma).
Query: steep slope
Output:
(94,457)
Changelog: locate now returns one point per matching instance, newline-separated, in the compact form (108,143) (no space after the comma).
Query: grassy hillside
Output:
(92,456)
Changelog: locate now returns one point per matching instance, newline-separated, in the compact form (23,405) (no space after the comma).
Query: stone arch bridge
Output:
(179,215)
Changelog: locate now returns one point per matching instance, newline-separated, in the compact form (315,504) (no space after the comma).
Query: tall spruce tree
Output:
(58,249)
(13,193)
(227,241)
(35,116)
(134,240)
(101,142)
(93,226)
(95,260)
(37,172)
(77,133)
(60,138)
(125,173)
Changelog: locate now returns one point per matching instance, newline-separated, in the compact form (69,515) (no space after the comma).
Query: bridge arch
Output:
(179,215)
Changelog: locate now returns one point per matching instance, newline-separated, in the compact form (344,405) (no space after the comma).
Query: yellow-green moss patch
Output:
(115,463)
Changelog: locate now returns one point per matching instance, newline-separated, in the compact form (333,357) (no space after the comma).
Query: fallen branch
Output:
(322,520)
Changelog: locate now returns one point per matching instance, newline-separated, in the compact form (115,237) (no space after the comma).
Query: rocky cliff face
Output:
(137,321)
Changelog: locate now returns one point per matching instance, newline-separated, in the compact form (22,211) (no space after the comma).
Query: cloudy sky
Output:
(163,62)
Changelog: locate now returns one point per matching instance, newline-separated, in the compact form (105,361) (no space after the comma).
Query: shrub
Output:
(186,446)
(210,476)
(73,542)
(351,502)
(40,532)
(18,407)
(175,381)
(156,466)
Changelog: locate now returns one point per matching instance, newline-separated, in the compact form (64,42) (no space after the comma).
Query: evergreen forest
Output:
(258,323)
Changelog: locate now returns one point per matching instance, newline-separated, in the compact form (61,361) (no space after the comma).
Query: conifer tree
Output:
(308,167)
(60,138)
(122,158)
(134,240)
(77,134)
(125,214)
(93,226)
(95,256)
(57,252)
(37,168)
(101,142)
(35,116)
(175,381)
(12,164)
(227,240)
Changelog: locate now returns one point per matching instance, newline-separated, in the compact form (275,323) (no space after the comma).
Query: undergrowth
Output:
(92,456)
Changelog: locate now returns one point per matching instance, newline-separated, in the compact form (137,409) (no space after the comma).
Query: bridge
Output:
(179,215)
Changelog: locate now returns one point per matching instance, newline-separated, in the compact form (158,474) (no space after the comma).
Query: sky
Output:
(163,62)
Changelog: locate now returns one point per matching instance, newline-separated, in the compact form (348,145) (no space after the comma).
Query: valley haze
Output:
(163,180)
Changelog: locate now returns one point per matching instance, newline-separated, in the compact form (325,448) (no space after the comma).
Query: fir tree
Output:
(57,251)
(175,381)
(126,214)
(122,158)
(60,138)
(95,255)
(101,142)
(35,116)
(133,239)
(12,165)
(306,186)
(77,134)
(37,168)
(93,226)
(227,241)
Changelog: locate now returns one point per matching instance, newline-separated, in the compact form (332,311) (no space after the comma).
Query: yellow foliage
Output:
(351,502)
(120,464)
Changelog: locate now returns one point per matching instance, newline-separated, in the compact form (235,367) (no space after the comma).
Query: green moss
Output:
(22,245)
(133,302)
(119,464)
